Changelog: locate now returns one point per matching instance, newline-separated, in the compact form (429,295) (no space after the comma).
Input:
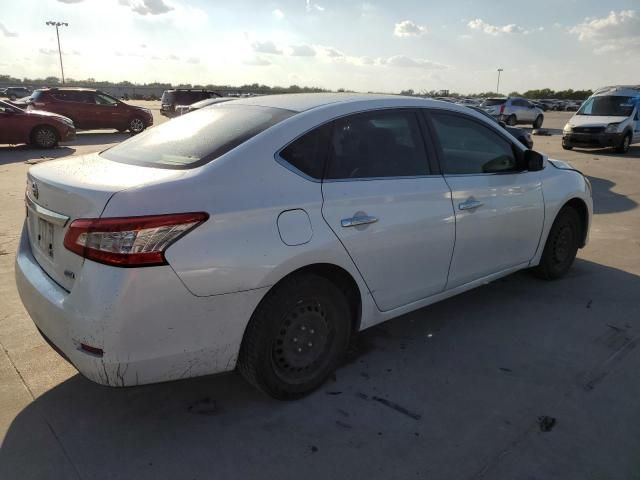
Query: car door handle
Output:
(470,205)
(360,220)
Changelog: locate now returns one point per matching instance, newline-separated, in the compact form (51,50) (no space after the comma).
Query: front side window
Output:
(308,153)
(195,139)
(377,144)
(467,147)
(102,99)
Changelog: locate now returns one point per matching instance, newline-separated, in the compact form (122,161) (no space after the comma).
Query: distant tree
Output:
(409,92)
(515,94)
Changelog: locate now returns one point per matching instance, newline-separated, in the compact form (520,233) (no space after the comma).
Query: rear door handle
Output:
(470,205)
(360,220)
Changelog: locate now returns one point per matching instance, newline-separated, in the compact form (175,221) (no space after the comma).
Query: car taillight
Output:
(129,241)
(502,109)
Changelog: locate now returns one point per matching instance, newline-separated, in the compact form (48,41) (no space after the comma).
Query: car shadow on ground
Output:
(441,392)
(26,153)
(98,138)
(605,200)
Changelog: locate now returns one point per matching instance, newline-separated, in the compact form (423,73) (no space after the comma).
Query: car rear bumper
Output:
(592,139)
(149,326)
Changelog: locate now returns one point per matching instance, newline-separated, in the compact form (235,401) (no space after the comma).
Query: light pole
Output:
(500,70)
(59,24)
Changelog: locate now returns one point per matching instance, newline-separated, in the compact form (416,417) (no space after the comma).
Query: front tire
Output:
(562,245)
(538,121)
(136,125)
(512,120)
(44,137)
(296,337)
(625,145)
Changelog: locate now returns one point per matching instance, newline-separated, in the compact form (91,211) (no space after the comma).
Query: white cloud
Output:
(193,60)
(333,53)
(70,1)
(403,61)
(257,62)
(5,31)
(279,14)
(314,6)
(618,31)
(302,51)
(266,47)
(147,7)
(481,25)
(407,28)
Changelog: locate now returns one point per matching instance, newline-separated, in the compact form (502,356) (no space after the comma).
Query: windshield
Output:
(491,102)
(195,139)
(608,106)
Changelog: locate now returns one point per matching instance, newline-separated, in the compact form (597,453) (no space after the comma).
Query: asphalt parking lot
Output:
(519,379)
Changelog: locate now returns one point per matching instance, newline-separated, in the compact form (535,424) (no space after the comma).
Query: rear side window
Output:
(309,152)
(377,145)
(195,139)
(72,96)
(167,97)
(467,147)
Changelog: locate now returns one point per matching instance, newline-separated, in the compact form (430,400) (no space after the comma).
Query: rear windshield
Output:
(608,106)
(195,139)
(490,102)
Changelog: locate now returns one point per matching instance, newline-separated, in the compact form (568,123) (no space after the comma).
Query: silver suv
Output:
(514,110)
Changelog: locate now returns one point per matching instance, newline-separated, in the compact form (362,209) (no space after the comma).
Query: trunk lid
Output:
(61,191)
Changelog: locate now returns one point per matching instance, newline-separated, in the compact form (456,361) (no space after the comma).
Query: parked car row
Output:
(51,115)
(14,93)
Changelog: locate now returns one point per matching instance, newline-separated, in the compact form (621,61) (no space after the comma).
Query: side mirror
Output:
(533,161)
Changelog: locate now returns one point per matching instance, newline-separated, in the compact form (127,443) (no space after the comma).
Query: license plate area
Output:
(45,237)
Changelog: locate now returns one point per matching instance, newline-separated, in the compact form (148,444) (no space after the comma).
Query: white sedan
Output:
(264,233)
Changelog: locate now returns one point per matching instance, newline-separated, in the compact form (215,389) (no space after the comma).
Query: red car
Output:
(91,109)
(43,129)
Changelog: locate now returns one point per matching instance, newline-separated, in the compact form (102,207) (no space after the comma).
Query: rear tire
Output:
(625,145)
(562,245)
(136,125)
(296,338)
(512,120)
(44,136)
(538,121)
(567,147)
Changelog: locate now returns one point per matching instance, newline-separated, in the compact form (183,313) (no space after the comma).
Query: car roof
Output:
(618,90)
(299,102)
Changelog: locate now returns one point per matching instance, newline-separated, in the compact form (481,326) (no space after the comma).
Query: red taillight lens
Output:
(502,109)
(129,241)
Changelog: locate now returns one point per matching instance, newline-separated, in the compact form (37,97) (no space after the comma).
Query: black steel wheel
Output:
(562,245)
(296,337)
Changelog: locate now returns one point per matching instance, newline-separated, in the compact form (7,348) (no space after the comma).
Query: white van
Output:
(608,118)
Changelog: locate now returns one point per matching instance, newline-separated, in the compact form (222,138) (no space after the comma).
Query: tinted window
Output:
(380,144)
(467,147)
(492,102)
(102,99)
(197,138)
(73,96)
(309,152)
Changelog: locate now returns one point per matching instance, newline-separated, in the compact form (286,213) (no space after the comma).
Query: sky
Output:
(373,45)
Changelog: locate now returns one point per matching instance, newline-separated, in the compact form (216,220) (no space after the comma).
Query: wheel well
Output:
(579,206)
(33,130)
(343,280)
